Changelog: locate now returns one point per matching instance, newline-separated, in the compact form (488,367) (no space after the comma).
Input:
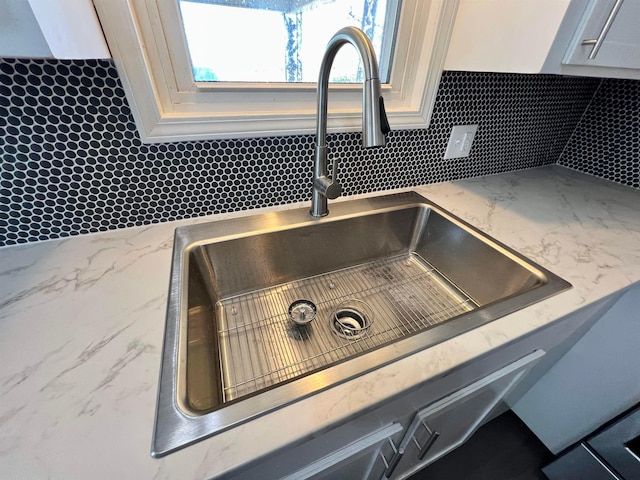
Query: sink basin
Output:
(376,280)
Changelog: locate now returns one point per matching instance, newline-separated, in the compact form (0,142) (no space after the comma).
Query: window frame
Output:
(150,51)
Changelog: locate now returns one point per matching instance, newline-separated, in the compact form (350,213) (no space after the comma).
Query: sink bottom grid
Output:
(261,347)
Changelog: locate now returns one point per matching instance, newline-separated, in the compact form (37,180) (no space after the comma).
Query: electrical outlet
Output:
(460,141)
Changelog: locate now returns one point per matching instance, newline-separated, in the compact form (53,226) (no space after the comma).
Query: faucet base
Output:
(319,215)
(319,205)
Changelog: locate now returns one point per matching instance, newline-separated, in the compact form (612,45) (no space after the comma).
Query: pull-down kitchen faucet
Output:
(374,119)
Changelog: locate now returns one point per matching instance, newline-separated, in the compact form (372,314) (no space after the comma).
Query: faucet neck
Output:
(372,134)
(374,124)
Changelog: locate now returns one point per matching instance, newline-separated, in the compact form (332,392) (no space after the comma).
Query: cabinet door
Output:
(444,425)
(607,36)
(355,460)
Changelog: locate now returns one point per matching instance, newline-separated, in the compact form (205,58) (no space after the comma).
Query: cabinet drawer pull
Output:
(393,463)
(597,42)
(427,446)
(433,436)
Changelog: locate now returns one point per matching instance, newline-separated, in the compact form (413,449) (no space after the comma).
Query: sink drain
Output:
(302,312)
(352,319)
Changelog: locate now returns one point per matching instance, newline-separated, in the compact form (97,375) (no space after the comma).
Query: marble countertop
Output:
(82,321)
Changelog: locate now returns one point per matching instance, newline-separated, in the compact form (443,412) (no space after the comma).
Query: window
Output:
(292,37)
(150,48)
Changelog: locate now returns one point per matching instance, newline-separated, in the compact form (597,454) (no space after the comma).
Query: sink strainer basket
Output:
(352,319)
(302,312)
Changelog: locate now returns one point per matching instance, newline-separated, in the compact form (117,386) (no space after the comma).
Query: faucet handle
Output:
(384,121)
(333,191)
(328,187)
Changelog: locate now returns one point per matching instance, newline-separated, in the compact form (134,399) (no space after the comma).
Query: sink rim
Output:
(176,428)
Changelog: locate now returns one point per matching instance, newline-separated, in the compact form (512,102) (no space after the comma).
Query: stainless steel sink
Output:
(386,277)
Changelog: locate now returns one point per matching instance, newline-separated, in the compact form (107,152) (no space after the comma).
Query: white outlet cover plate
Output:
(460,141)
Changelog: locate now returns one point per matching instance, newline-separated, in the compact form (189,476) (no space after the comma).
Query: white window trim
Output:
(150,52)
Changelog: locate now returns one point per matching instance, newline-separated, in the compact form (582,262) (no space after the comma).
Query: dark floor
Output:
(503,449)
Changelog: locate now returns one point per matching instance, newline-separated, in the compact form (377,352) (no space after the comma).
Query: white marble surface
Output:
(82,319)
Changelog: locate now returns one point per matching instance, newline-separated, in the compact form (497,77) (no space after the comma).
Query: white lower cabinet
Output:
(400,437)
(447,423)
(595,381)
(350,451)
(354,459)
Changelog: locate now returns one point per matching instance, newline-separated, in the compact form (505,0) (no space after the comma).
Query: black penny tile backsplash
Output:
(71,161)
(606,142)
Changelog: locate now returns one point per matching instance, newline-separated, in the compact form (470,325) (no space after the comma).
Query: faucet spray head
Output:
(375,125)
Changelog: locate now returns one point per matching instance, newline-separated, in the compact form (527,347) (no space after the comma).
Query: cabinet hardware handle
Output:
(427,446)
(391,465)
(433,436)
(597,42)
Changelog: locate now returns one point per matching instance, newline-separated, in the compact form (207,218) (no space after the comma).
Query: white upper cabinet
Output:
(597,38)
(608,35)
(65,29)
(504,35)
